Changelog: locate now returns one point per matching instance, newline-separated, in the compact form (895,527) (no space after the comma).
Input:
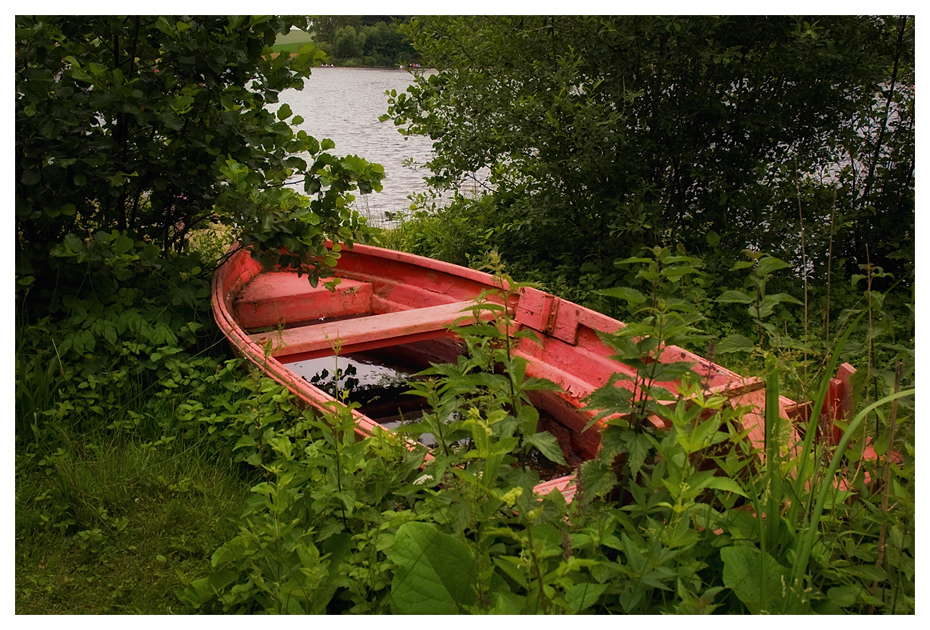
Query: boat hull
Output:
(395,302)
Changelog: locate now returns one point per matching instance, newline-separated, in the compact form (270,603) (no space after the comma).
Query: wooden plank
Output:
(565,324)
(534,308)
(278,298)
(737,387)
(366,333)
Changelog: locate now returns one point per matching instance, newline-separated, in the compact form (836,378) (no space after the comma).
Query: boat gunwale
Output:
(239,268)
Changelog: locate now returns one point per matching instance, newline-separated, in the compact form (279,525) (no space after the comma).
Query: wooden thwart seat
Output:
(365,333)
(283,298)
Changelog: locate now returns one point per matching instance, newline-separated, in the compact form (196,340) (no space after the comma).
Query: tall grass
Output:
(110,519)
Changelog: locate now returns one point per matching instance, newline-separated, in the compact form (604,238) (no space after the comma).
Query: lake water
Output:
(344,104)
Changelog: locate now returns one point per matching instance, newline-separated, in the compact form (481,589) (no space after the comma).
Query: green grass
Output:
(289,48)
(296,36)
(292,42)
(116,528)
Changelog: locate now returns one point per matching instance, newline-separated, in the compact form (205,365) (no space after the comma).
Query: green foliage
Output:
(760,304)
(105,526)
(314,526)
(363,40)
(603,134)
(765,552)
(435,572)
(131,322)
(656,322)
(155,126)
(136,439)
(116,490)
(676,517)
(758,581)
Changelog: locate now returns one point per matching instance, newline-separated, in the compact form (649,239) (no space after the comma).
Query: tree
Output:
(348,43)
(371,40)
(154,126)
(600,134)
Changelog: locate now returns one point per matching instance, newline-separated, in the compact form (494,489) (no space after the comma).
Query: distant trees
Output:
(348,43)
(372,40)
(718,133)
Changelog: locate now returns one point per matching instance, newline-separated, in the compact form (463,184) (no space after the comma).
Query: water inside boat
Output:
(379,382)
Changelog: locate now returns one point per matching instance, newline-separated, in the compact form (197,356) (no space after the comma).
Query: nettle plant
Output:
(312,536)
(485,394)
(681,516)
(713,522)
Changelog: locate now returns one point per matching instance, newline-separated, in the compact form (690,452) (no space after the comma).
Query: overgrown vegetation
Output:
(154,474)
(685,519)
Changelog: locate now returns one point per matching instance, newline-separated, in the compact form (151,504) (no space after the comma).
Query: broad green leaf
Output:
(529,420)
(770,301)
(844,596)
(677,271)
(245,441)
(233,551)
(597,478)
(171,120)
(634,260)
(726,484)
(736,343)
(759,581)
(582,596)
(666,372)
(634,297)
(510,566)
(221,579)
(435,574)
(734,296)
(769,264)
(547,445)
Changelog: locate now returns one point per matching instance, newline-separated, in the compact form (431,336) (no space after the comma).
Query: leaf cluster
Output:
(602,134)
(158,126)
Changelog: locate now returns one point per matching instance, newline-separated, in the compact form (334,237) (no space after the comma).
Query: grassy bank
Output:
(109,527)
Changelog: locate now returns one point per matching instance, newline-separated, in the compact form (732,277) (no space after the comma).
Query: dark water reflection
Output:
(344,104)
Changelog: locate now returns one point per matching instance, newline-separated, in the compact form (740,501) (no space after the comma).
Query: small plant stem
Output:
(337,430)
(514,402)
(442,438)
(868,371)
(61,367)
(758,306)
(539,575)
(648,380)
(772,450)
(797,185)
(886,474)
(826,315)
(337,435)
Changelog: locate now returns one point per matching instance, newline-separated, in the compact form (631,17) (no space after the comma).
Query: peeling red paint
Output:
(387,297)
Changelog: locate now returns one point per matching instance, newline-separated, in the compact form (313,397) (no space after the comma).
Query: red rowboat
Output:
(400,309)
